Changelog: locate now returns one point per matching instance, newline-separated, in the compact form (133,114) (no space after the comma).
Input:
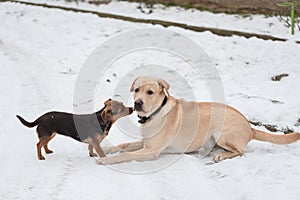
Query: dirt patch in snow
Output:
(268,7)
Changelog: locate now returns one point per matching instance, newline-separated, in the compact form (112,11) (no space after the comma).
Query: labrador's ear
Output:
(165,86)
(107,102)
(132,85)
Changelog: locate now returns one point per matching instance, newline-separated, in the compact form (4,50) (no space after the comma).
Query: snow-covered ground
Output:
(41,54)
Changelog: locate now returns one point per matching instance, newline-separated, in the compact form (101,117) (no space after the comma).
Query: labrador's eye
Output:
(137,90)
(149,92)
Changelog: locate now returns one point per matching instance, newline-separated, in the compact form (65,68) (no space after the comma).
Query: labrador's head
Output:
(149,93)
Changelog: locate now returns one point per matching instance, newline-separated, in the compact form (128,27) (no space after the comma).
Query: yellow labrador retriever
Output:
(177,126)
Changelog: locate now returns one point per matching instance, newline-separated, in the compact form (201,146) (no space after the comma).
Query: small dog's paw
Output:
(41,158)
(49,152)
(93,155)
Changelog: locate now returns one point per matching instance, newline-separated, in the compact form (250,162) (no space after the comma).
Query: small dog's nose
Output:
(130,110)
(138,102)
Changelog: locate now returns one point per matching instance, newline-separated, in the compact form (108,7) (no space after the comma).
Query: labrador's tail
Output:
(276,139)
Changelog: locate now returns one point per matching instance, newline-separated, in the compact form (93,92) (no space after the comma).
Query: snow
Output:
(41,54)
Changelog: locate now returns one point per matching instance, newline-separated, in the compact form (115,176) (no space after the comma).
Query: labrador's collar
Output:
(144,119)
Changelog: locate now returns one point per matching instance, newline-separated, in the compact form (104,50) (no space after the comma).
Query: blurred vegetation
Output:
(266,7)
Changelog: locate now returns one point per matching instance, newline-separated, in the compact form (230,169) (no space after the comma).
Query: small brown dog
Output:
(88,128)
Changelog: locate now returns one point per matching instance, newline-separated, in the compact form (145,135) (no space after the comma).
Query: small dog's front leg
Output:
(91,152)
(98,149)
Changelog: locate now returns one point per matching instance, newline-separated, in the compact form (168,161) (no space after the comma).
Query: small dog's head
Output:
(149,92)
(114,110)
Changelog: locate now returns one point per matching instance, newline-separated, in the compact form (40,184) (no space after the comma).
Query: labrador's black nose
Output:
(138,105)
(138,102)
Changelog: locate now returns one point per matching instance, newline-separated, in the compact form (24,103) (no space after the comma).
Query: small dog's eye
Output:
(149,92)
(137,90)
(109,111)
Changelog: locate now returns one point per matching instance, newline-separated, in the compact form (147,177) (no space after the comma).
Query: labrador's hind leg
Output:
(234,146)
(225,155)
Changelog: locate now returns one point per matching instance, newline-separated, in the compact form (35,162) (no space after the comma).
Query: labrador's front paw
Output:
(103,161)
(99,161)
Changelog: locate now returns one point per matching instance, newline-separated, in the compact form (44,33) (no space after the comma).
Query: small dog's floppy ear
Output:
(164,85)
(132,85)
(104,116)
(106,103)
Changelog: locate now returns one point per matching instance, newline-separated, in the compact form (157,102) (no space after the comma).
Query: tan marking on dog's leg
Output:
(39,146)
(91,151)
(100,138)
(47,150)
(98,149)
(140,155)
(225,155)
(131,146)
(91,146)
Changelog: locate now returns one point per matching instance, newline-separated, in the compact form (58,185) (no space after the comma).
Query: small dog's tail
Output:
(276,139)
(26,123)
